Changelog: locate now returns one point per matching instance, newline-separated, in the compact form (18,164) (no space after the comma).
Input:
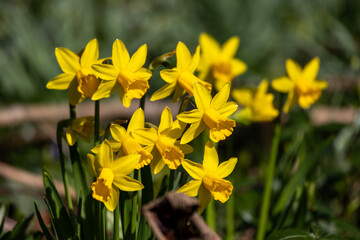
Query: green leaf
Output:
(18,233)
(59,215)
(290,234)
(299,178)
(3,213)
(42,224)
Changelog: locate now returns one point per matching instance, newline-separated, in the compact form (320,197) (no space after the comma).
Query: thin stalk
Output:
(230,210)
(147,193)
(270,172)
(97,123)
(117,223)
(171,180)
(211,215)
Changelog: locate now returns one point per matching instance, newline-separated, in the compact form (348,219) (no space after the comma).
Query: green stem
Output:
(97,123)
(171,180)
(211,215)
(270,172)
(147,193)
(117,223)
(230,210)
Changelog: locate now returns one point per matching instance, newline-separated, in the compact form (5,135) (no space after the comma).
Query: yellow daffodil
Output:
(124,141)
(208,178)
(258,104)
(301,84)
(78,75)
(166,149)
(112,175)
(126,74)
(211,113)
(180,79)
(82,128)
(219,62)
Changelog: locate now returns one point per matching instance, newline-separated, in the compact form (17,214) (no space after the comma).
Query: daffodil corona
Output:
(218,61)
(78,75)
(211,114)
(258,104)
(126,75)
(112,175)
(301,84)
(208,177)
(180,79)
(82,128)
(166,149)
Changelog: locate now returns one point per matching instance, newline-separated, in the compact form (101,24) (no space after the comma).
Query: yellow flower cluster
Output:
(136,146)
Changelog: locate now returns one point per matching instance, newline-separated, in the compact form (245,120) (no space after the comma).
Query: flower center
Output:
(134,87)
(222,71)
(130,146)
(220,189)
(307,93)
(103,185)
(87,83)
(171,154)
(220,127)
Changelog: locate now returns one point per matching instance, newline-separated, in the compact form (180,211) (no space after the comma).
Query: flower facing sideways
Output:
(125,143)
(180,79)
(301,84)
(211,114)
(166,149)
(82,128)
(112,175)
(208,177)
(125,75)
(219,61)
(78,75)
(258,104)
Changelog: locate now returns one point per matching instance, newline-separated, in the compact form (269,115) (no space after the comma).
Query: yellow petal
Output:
(105,156)
(237,67)
(137,120)
(105,71)
(209,46)
(311,69)
(192,132)
(61,82)
(157,166)
(228,108)
(243,96)
(183,57)
(71,136)
(163,92)
(202,96)
(125,164)
(282,84)
(192,116)
(90,54)
(179,92)
(146,136)
(113,200)
(124,100)
(211,158)
(169,75)
(69,62)
(185,148)
(293,69)
(126,183)
(291,101)
(195,60)
(138,59)
(74,96)
(221,97)
(225,168)
(204,198)
(93,164)
(230,47)
(166,120)
(118,132)
(195,170)
(120,55)
(105,89)
(191,188)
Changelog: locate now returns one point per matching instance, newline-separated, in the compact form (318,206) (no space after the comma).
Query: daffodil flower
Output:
(211,114)
(125,75)
(219,61)
(82,128)
(78,76)
(208,177)
(180,79)
(124,141)
(166,149)
(258,104)
(112,175)
(301,84)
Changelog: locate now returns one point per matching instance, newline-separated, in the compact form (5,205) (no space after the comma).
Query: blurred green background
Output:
(270,32)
